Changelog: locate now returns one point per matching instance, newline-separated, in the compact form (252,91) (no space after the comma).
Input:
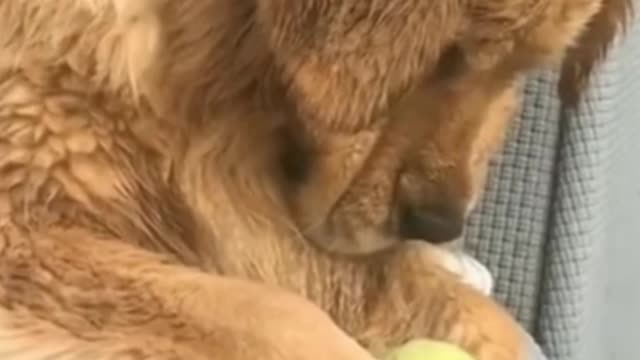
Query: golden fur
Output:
(146,170)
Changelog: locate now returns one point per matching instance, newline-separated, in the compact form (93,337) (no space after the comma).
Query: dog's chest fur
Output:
(69,156)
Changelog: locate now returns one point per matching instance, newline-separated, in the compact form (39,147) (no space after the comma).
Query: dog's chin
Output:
(369,241)
(362,242)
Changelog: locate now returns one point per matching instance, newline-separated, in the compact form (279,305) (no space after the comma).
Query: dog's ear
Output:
(344,60)
(591,48)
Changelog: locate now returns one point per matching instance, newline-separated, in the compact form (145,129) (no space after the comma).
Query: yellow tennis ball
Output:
(422,349)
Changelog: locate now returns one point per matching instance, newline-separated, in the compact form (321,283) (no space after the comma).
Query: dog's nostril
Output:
(434,225)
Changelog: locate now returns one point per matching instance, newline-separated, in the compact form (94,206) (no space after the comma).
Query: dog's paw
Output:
(474,273)
(469,270)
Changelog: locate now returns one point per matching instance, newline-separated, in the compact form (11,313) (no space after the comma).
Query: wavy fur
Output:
(592,47)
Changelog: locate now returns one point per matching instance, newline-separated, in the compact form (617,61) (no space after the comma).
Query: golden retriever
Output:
(234,179)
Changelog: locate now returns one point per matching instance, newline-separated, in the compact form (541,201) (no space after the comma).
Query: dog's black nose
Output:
(432,224)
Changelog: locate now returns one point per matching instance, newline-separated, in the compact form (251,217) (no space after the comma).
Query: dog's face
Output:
(425,170)
(416,117)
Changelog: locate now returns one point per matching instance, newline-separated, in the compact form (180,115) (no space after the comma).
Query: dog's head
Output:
(407,102)
(417,176)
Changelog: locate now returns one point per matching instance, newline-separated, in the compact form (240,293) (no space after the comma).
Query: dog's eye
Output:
(451,65)
(295,158)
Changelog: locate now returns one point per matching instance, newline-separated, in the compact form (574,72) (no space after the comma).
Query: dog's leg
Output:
(387,298)
(390,298)
(24,336)
(70,294)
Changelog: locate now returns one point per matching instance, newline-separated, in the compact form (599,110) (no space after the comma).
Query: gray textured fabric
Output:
(510,237)
(560,214)
(614,324)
